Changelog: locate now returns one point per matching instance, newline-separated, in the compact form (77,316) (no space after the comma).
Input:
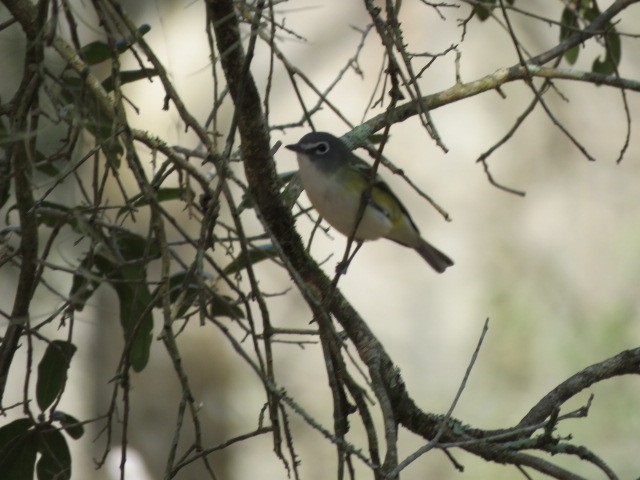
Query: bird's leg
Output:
(341,268)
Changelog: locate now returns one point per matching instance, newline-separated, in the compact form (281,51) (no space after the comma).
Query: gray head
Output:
(322,148)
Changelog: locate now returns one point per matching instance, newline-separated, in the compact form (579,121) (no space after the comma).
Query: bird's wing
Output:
(380,190)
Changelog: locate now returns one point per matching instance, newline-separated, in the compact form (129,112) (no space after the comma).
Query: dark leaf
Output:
(223,306)
(614,50)
(129,280)
(95,52)
(161,195)
(129,76)
(571,55)
(70,424)
(292,190)
(612,56)
(11,432)
(255,255)
(18,449)
(604,67)
(42,164)
(137,320)
(99,51)
(569,24)
(607,66)
(589,10)
(483,8)
(184,287)
(52,372)
(376,138)
(83,285)
(55,459)
(47,168)
(132,247)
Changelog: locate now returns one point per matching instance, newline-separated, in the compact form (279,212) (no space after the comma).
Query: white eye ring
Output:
(322,148)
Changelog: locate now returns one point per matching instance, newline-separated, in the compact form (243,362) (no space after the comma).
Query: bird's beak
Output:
(296,147)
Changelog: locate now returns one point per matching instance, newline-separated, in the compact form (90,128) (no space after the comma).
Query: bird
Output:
(337,181)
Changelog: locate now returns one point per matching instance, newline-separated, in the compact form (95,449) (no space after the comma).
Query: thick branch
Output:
(22,154)
(627,362)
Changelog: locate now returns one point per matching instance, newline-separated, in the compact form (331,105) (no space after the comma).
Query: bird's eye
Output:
(322,148)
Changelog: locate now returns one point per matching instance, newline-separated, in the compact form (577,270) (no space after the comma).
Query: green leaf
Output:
(83,285)
(129,76)
(47,168)
(42,164)
(571,55)
(483,8)
(11,432)
(589,10)
(568,25)
(603,67)
(70,424)
(99,51)
(52,372)
(18,449)
(110,145)
(376,138)
(568,22)
(135,310)
(614,49)
(161,195)
(292,189)
(95,52)
(55,459)
(124,266)
(255,255)
(612,55)
(134,247)
(183,287)
(223,306)
(136,319)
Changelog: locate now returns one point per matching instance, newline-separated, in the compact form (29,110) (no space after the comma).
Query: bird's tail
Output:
(434,257)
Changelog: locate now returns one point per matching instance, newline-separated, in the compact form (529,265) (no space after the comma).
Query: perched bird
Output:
(336,181)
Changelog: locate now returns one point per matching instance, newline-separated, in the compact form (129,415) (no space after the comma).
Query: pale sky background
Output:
(555,272)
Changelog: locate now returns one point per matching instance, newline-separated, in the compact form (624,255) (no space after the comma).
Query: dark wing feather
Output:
(364,169)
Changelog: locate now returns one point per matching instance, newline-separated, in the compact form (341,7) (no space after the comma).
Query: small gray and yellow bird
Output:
(336,180)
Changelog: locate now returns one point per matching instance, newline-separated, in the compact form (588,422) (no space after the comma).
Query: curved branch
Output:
(625,363)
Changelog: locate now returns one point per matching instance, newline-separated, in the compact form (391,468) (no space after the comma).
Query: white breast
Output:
(339,206)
